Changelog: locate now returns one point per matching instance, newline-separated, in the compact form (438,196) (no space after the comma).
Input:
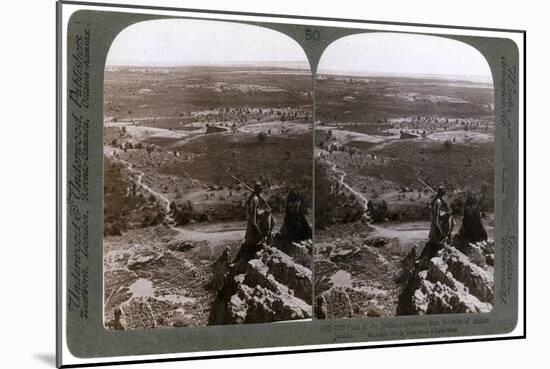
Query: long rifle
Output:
(428,187)
(241,182)
(435,193)
(251,190)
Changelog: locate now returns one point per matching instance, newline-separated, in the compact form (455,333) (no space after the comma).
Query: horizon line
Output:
(301,65)
(206,63)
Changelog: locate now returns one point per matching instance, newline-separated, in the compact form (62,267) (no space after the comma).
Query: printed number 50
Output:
(312,35)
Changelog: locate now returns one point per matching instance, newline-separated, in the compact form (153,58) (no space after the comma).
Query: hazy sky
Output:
(172,42)
(390,53)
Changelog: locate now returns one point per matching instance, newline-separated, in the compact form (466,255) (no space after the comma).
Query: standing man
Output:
(442,220)
(259,223)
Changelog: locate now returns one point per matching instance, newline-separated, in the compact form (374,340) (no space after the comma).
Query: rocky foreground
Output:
(153,279)
(273,285)
(361,274)
(453,279)
(158,279)
(355,273)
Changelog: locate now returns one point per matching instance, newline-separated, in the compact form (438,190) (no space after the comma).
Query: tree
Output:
(183,214)
(262,137)
(448,145)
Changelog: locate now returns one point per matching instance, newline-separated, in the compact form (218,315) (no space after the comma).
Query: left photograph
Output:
(207,176)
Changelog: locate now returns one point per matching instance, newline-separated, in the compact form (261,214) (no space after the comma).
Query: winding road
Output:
(215,234)
(343,175)
(140,174)
(408,233)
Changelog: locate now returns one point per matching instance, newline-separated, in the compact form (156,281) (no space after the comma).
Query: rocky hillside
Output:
(361,272)
(356,272)
(455,279)
(273,285)
(152,280)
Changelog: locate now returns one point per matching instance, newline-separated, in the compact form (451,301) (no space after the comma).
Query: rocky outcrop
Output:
(300,252)
(184,246)
(271,286)
(135,314)
(145,260)
(333,304)
(458,279)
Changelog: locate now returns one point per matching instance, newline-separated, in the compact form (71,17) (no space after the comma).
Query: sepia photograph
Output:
(404,177)
(208,164)
(232,184)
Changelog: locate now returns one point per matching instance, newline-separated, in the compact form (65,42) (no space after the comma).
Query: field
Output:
(375,138)
(177,97)
(174,139)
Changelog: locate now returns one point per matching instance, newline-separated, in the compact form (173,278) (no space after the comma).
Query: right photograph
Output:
(404,177)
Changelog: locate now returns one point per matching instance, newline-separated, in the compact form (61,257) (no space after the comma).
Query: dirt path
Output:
(215,234)
(147,188)
(343,175)
(140,174)
(408,233)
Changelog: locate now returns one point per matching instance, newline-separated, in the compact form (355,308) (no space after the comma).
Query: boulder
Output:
(144,260)
(449,282)
(300,252)
(183,246)
(344,254)
(480,282)
(269,287)
(333,304)
(377,242)
(137,313)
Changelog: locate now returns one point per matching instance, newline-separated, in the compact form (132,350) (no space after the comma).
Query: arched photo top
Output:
(207,140)
(188,42)
(402,54)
